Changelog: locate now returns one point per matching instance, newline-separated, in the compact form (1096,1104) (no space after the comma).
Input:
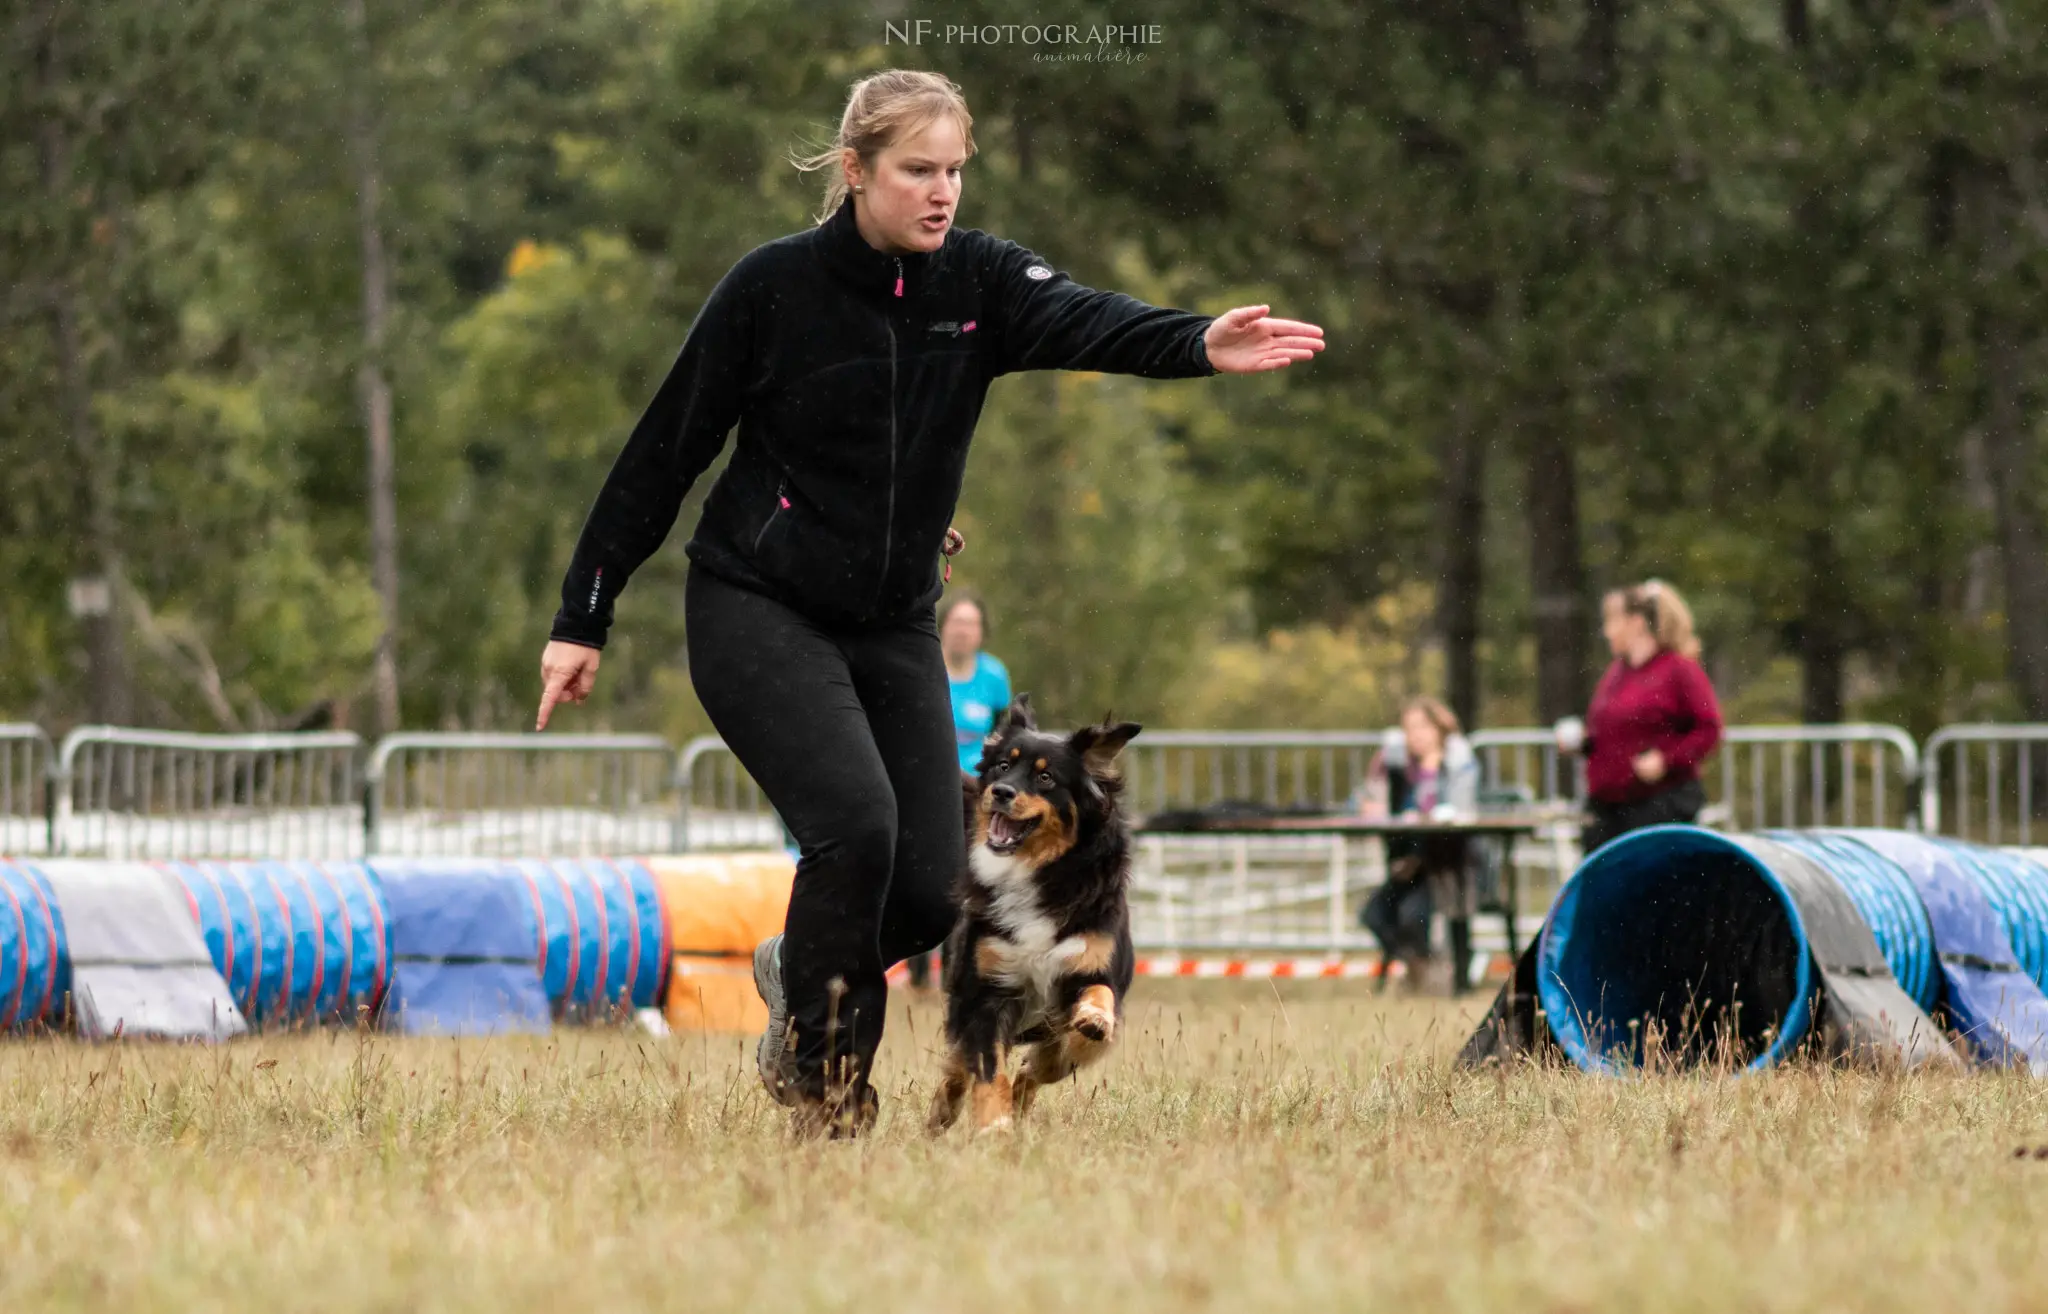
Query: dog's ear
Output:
(1098,745)
(1017,716)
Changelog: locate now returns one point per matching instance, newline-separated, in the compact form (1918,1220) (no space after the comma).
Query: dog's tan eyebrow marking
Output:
(1016,753)
(1040,765)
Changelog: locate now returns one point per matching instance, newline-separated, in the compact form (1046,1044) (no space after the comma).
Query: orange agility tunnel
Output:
(719,906)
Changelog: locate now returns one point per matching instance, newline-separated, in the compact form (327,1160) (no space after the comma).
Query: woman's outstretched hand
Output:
(567,672)
(1248,340)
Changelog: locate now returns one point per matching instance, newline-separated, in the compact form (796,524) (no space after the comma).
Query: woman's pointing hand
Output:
(567,672)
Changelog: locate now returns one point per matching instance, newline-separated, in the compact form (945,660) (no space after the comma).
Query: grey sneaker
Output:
(769,1055)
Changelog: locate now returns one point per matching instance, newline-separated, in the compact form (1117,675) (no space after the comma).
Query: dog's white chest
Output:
(1029,955)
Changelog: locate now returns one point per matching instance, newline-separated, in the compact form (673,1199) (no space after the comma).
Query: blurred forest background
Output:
(1745,294)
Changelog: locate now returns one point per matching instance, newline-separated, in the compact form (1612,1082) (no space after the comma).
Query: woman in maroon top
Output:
(1653,719)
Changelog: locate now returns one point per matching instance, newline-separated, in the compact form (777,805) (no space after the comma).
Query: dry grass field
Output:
(1305,1148)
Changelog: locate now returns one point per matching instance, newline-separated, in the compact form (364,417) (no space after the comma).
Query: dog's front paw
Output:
(1095,1014)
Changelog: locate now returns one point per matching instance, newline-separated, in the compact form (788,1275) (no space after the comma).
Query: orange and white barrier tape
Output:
(1258,969)
(1485,967)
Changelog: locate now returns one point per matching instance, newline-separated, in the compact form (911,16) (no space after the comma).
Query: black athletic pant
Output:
(850,735)
(1681,802)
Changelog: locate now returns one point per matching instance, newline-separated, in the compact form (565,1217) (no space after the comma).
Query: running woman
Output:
(854,358)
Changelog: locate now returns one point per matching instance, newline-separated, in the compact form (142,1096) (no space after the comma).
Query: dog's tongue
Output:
(1000,828)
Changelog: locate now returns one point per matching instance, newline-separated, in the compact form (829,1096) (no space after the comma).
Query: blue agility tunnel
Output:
(471,945)
(34,967)
(1744,948)
(2017,890)
(246,920)
(599,930)
(296,941)
(463,958)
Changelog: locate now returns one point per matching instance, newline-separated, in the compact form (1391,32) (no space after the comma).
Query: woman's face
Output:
(913,186)
(1424,739)
(961,634)
(1623,628)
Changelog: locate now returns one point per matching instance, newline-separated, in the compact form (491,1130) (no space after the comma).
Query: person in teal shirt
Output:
(981,690)
(980,683)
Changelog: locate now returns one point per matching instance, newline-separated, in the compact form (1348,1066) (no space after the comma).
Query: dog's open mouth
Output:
(1006,833)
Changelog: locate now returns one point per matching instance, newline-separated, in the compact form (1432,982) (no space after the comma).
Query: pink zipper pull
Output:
(899,278)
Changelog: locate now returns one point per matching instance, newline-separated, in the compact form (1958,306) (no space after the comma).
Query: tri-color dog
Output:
(1041,957)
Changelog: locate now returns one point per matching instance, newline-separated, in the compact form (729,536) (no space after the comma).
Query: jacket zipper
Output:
(889,519)
(781,505)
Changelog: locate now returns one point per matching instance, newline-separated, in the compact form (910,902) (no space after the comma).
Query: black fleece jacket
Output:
(855,378)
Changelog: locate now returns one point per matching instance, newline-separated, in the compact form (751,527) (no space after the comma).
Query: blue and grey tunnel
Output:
(1743,948)
(1679,938)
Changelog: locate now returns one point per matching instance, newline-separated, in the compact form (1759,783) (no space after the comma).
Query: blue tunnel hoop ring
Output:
(1599,892)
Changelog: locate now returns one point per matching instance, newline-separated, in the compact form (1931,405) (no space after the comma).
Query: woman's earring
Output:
(858,188)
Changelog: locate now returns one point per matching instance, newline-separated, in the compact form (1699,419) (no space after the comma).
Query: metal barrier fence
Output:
(1243,894)
(1193,894)
(1274,894)
(521,795)
(25,762)
(1175,769)
(1762,775)
(1528,759)
(722,807)
(123,793)
(1849,775)
(1986,783)
(1817,775)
